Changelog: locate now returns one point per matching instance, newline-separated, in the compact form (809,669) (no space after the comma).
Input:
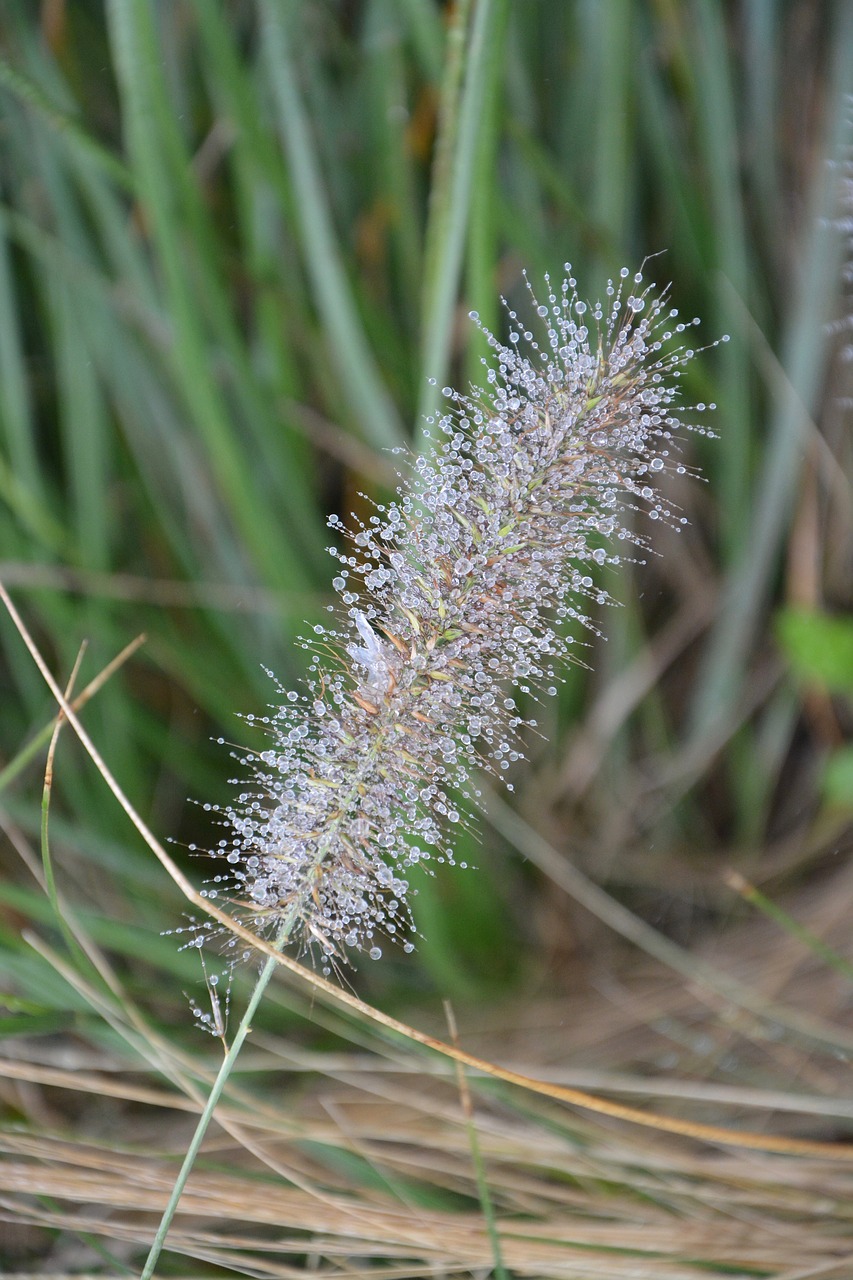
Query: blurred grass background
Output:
(237,237)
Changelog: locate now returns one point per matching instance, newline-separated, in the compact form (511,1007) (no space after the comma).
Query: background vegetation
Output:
(236,240)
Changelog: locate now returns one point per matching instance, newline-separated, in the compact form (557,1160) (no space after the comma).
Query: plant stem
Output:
(450,201)
(210,1106)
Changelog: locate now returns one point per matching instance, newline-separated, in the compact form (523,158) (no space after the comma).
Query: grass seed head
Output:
(463,588)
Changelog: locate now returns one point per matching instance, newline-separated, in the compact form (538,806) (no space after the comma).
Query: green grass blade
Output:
(361,384)
(16,418)
(812,943)
(62,123)
(157,157)
(718,133)
(803,357)
(484,229)
(450,200)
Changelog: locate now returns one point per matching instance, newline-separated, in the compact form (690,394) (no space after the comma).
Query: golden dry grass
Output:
(353,1161)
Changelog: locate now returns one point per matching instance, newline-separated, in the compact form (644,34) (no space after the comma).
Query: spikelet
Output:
(463,588)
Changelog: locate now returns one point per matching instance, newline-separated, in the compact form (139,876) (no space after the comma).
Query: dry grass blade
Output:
(574,1097)
(704,977)
(677,1212)
(34,746)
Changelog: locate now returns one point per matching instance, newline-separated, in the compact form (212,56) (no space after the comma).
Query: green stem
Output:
(450,201)
(287,925)
(210,1106)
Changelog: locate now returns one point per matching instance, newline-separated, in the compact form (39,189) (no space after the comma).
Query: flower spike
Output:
(460,590)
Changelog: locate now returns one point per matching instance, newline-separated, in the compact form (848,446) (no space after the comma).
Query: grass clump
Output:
(236,241)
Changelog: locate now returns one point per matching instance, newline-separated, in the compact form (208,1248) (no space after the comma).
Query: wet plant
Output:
(462,588)
(471,583)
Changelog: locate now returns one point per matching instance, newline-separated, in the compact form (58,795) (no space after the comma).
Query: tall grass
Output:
(236,240)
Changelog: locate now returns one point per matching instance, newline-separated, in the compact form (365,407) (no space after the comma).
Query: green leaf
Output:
(838,780)
(818,647)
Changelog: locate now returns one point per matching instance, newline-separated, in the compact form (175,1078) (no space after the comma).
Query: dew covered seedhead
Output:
(459,592)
